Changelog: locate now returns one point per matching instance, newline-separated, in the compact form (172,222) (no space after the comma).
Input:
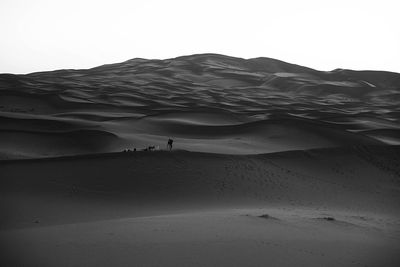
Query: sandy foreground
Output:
(322,207)
(229,237)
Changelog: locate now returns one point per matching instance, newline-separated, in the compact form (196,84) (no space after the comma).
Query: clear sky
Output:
(38,35)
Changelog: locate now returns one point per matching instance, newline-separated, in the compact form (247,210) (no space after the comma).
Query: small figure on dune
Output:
(128,150)
(169,145)
(74,190)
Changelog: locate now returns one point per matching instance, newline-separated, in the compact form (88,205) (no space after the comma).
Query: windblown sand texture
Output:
(274,164)
(207,103)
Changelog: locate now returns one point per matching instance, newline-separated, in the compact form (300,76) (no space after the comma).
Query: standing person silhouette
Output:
(169,144)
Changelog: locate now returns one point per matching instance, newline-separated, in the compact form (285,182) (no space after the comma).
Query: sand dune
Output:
(180,96)
(29,136)
(388,136)
(28,144)
(205,134)
(328,195)
(227,238)
(335,207)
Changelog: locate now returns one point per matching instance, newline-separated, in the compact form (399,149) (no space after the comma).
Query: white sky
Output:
(37,35)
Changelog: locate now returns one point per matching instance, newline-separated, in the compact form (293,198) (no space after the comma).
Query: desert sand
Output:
(273,164)
(324,207)
(206,102)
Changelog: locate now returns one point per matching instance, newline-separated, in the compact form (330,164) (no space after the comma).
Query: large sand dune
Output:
(208,103)
(329,207)
(274,164)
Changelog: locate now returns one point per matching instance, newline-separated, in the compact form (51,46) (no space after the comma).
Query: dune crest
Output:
(203,101)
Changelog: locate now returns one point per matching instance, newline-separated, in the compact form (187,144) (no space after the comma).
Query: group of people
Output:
(152,148)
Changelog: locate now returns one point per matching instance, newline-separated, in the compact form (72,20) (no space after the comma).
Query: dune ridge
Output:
(273,164)
(209,90)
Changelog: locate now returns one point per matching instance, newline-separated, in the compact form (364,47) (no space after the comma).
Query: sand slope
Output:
(206,102)
(330,207)
(327,196)
(224,238)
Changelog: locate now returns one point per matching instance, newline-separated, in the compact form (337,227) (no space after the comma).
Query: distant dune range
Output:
(274,164)
(207,102)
